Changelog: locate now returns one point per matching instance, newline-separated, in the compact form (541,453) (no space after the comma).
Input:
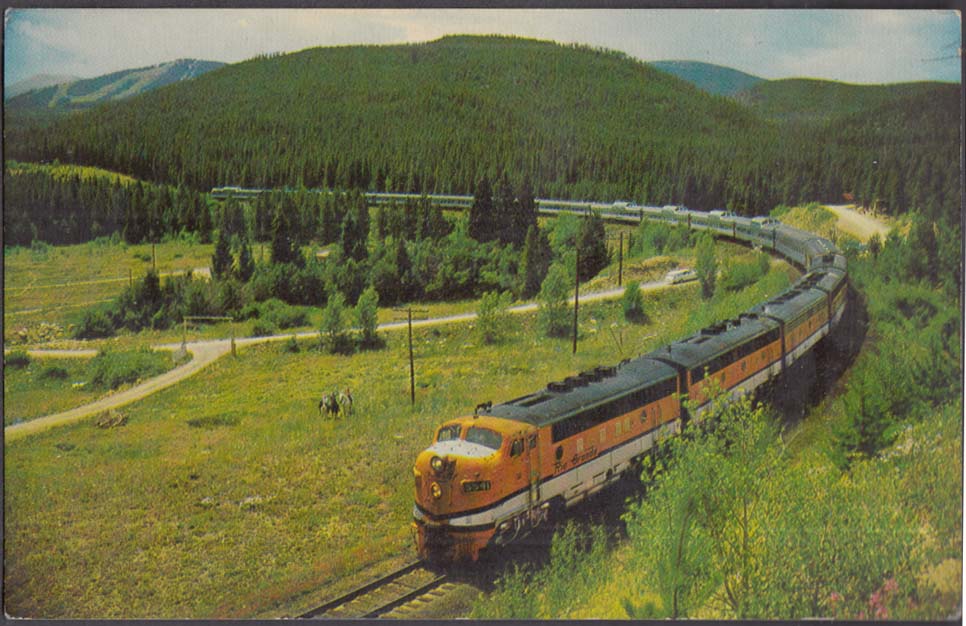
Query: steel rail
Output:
(398,600)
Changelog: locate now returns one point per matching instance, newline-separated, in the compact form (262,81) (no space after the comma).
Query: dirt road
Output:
(206,352)
(858,224)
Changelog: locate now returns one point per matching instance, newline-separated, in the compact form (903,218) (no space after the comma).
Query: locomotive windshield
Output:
(448,433)
(484,437)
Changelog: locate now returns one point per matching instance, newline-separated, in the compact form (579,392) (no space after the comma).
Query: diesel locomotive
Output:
(491,477)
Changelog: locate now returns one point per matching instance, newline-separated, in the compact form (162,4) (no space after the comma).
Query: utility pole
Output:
(620,260)
(412,365)
(576,294)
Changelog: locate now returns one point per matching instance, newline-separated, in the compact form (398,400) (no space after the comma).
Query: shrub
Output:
(366,313)
(282,315)
(706,264)
(633,303)
(53,372)
(264,328)
(493,318)
(95,324)
(252,310)
(110,370)
(738,274)
(17,359)
(554,313)
(332,330)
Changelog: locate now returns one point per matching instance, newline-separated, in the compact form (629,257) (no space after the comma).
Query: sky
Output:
(858,46)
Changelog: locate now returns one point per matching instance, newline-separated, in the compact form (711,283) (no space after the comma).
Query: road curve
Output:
(206,352)
(859,224)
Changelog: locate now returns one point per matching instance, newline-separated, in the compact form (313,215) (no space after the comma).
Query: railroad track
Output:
(383,595)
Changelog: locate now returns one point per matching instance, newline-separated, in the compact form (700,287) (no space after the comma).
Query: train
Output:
(491,477)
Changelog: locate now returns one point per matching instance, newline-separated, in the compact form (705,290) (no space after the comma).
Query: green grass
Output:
(48,386)
(28,394)
(54,284)
(228,496)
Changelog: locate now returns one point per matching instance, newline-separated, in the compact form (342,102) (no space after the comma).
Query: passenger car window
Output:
(484,437)
(448,433)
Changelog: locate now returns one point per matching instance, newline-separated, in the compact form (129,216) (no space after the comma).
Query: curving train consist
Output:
(491,477)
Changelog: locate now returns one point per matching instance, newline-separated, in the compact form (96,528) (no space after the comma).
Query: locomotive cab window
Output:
(448,433)
(484,437)
(516,448)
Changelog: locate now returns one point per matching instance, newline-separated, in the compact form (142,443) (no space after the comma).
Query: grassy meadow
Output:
(228,496)
(53,285)
(36,387)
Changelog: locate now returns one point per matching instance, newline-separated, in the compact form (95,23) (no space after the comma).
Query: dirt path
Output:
(859,224)
(206,352)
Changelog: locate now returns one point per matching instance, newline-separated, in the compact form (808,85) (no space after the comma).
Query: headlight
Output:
(436,463)
(437,492)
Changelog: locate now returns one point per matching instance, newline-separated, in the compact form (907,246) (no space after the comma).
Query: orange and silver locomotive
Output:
(491,477)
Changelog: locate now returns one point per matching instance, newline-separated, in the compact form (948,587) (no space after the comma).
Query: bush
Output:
(366,313)
(17,359)
(53,372)
(283,315)
(633,303)
(332,330)
(251,310)
(706,264)
(95,324)
(264,328)
(738,274)
(110,370)
(554,312)
(493,318)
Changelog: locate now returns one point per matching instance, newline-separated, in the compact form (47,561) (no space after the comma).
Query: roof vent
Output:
(606,371)
(558,386)
(714,329)
(575,381)
(591,376)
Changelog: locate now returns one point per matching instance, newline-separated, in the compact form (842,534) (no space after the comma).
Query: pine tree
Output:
(284,249)
(481,213)
(534,261)
(592,244)
(221,260)
(246,263)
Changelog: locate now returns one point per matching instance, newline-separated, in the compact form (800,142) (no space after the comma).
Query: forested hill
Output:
(437,117)
(85,93)
(716,79)
(433,117)
(800,99)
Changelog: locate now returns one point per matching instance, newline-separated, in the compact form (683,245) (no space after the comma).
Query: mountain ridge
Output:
(710,77)
(88,92)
